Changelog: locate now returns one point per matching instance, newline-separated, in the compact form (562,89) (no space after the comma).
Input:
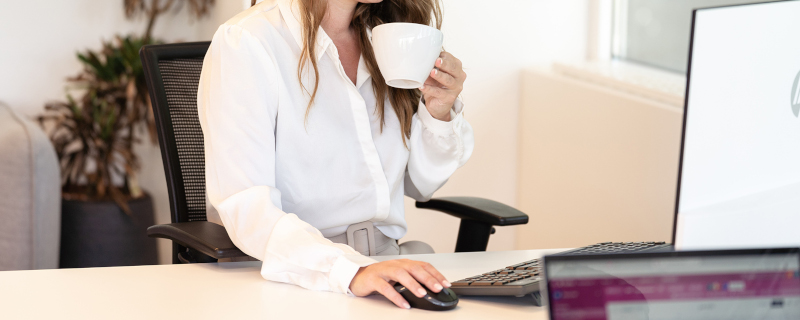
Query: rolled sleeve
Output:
(345,269)
(439,127)
(298,253)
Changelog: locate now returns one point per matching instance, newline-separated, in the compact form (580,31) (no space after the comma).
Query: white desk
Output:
(235,290)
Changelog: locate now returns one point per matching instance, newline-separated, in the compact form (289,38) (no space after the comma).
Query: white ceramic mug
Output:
(406,52)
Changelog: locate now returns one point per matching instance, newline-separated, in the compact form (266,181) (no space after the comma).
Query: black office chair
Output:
(172,72)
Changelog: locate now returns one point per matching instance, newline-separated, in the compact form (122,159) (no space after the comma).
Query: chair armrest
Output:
(209,238)
(479,209)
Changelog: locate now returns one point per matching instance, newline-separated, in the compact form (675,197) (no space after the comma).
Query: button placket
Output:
(364,131)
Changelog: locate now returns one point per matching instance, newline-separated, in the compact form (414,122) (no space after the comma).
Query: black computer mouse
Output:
(444,300)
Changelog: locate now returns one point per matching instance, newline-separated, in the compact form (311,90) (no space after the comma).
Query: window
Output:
(657,32)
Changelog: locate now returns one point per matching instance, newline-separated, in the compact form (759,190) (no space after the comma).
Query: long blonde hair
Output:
(403,101)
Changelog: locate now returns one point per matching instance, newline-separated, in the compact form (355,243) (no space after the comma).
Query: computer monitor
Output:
(739,182)
(685,285)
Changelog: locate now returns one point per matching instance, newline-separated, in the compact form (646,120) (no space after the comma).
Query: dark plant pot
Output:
(99,234)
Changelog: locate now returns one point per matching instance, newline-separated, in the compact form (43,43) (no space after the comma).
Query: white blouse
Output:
(282,182)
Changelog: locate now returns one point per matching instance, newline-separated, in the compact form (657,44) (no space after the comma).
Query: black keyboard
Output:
(524,278)
(617,247)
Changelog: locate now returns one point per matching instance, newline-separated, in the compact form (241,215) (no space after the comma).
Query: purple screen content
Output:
(743,287)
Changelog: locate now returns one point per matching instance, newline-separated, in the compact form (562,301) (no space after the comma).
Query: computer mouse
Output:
(444,300)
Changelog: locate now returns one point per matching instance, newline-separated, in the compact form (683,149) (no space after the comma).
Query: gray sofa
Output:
(30,195)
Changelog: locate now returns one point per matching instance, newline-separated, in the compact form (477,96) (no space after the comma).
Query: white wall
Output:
(494,39)
(40,39)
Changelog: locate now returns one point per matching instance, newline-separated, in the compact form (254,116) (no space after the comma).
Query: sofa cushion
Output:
(30,195)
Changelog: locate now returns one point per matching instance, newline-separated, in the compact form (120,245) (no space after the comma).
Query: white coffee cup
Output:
(406,52)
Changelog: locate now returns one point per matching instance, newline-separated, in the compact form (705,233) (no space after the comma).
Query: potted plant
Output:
(105,213)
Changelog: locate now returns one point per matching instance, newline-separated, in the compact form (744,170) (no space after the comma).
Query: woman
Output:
(305,142)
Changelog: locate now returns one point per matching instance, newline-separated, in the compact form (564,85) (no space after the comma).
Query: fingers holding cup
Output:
(451,65)
(444,79)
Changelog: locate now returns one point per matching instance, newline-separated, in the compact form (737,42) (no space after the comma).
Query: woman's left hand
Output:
(443,86)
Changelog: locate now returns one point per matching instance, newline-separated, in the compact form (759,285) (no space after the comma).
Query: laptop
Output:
(682,285)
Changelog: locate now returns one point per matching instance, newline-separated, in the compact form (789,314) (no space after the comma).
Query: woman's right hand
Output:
(381,277)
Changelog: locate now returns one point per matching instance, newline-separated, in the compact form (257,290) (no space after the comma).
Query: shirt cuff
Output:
(344,270)
(439,127)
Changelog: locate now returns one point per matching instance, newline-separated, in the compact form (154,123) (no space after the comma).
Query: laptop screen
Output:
(676,285)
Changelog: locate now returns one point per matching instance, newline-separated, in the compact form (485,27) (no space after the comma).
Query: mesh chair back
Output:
(172,72)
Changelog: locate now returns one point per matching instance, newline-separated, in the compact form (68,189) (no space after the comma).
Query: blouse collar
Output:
(289,10)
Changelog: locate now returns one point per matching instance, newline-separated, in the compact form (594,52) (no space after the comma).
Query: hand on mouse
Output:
(443,86)
(380,277)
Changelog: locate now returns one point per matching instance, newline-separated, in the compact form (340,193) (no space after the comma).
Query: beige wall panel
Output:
(595,165)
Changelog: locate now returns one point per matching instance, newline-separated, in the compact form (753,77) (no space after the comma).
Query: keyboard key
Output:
(482,283)
(460,284)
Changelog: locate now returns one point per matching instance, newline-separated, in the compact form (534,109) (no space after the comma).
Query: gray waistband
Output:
(367,240)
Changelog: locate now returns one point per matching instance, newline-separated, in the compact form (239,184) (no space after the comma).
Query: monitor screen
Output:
(740,172)
(670,286)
